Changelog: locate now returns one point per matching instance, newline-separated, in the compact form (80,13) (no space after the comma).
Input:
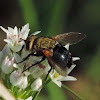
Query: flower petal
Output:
(67,46)
(57,82)
(35,33)
(9,42)
(68,78)
(17,57)
(75,58)
(16,77)
(11,30)
(24,82)
(5,30)
(37,84)
(7,65)
(71,68)
(15,31)
(30,98)
(25,31)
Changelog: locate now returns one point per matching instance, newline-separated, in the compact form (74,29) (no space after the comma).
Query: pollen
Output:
(56,75)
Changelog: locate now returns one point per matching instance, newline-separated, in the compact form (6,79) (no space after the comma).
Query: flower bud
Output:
(37,84)
(7,65)
(17,79)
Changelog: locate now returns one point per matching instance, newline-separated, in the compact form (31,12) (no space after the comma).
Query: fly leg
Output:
(35,64)
(48,71)
(21,50)
(27,57)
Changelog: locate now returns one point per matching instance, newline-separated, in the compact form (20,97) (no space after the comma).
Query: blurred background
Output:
(54,17)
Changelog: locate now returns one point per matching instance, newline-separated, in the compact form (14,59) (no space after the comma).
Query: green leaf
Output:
(55,92)
(29,13)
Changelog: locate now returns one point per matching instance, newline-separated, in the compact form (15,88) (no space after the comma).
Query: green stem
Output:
(12,89)
(25,95)
(80,98)
(21,94)
(36,94)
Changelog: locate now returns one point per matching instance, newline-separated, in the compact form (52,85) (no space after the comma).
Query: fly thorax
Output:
(45,43)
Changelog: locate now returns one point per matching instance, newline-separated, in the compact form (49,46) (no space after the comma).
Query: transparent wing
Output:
(71,38)
(58,65)
(56,62)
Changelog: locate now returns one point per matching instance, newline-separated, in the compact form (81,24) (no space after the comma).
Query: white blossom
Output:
(35,33)
(37,84)
(7,65)
(57,79)
(14,36)
(18,79)
(40,70)
(29,98)
(67,46)
(75,58)
(5,52)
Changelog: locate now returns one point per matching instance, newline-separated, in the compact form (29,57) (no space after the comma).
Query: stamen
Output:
(56,75)
(7,60)
(20,35)
(16,42)
(41,66)
(29,65)
(10,37)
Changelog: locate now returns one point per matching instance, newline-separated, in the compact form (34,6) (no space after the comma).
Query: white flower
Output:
(29,98)
(14,35)
(67,46)
(56,78)
(35,33)
(40,70)
(37,70)
(75,58)
(5,52)
(7,65)
(18,79)
(37,85)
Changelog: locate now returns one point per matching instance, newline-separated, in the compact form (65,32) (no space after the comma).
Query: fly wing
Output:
(58,65)
(56,62)
(71,38)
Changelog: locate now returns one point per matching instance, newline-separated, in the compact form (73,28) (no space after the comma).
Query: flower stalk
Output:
(36,94)
(80,98)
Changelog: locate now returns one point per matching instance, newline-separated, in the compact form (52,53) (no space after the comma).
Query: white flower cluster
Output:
(9,57)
